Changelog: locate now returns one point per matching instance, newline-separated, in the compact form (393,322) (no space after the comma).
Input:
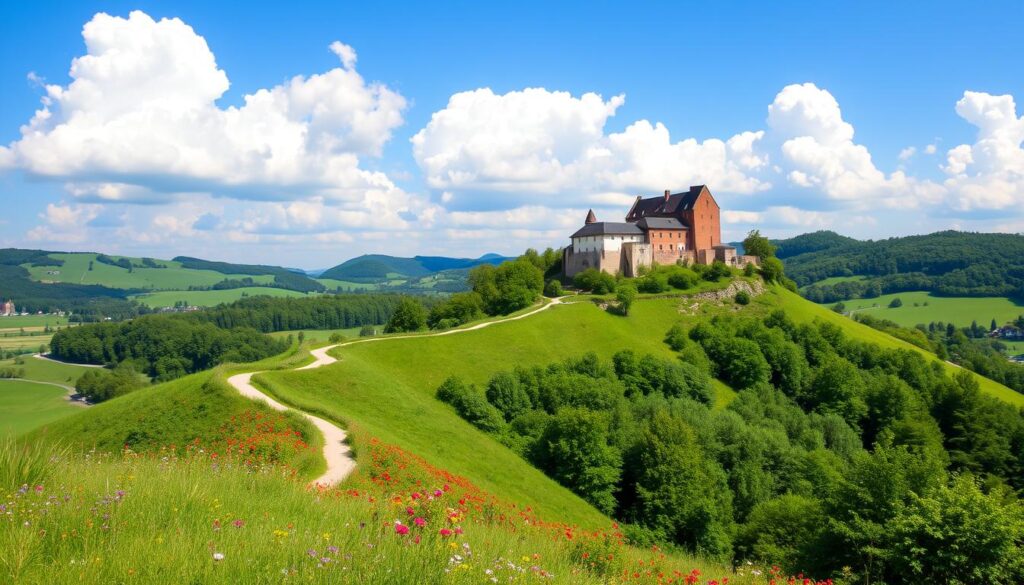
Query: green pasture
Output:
(210,298)
(174,277)
(28,405)
(960,311)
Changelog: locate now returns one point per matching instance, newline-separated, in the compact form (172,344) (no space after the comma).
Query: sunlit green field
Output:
(27,405)
(210,298)
(960,311)
(345,285)
(45,370)
(323,334)
(174,277)
(18,321)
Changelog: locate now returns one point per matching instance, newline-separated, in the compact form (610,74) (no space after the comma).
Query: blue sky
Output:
(852,88)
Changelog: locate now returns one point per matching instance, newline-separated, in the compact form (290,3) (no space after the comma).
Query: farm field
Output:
(960,311)
(28,405)
(1014,347)
(174,277)
(210,298)
(19,321)
(346,285)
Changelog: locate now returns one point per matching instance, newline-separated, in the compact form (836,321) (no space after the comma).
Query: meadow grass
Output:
(210,298)
(112,518)
(174,277)
(960,311)
(45,370)
(802,310)
(28,405)
(19,321)
(33,341)
(197,409)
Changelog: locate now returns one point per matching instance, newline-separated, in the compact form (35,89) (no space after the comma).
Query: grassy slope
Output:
(802,310)
(387,390)
(210,298)
(957,310)
(27,405)
(331,284)
(175,413)
(76,270)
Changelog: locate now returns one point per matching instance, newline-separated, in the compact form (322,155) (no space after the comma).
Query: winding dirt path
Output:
(340,462)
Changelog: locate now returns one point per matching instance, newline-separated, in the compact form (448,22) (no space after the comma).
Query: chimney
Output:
(668,193)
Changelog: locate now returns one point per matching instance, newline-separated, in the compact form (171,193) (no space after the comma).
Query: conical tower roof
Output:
(591,218)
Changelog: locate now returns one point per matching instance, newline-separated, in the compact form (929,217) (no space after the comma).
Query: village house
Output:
(7,309)
(668,229)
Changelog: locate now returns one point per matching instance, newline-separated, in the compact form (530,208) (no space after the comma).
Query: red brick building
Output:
(673,227)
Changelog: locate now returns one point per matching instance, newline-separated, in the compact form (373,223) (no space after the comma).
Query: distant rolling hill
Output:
(380,267)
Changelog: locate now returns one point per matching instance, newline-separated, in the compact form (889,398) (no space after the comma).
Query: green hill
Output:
(382,267)
(948,263)
(383,391)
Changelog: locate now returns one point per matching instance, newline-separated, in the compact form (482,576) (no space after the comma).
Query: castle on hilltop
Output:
(672,228)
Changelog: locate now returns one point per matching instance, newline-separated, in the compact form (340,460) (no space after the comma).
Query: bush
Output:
(336,337)
(626,295)
(459,309)
(749,270)
(717,271)
(367,331)
(895,303)
(680,280)
(553,289)
(652,283)
(743,298)
(595,281)
(772,270)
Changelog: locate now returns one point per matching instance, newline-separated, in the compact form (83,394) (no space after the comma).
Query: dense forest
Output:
(947,263)
(836,458)
(162,346)
(269,314)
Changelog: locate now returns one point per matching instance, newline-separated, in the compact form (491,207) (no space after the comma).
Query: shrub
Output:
(749,270)
(742,298)
(895,303)
(626,295)
(653,283)
(553,289)
(716,271)
(595,281)
(680,280)
(98,385)
(336,337)
(367,331)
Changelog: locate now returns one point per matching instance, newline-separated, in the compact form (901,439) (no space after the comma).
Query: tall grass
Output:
(101,518)
(22,463)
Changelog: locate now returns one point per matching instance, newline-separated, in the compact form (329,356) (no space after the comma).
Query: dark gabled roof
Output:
(603,228)
(661,223)
(659,206)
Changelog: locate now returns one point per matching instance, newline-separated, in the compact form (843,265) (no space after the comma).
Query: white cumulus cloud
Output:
(140,120)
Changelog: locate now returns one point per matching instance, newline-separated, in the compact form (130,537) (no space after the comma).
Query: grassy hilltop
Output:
(227,503)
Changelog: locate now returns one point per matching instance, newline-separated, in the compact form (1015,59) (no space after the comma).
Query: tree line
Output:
(949,263)
(837,457)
